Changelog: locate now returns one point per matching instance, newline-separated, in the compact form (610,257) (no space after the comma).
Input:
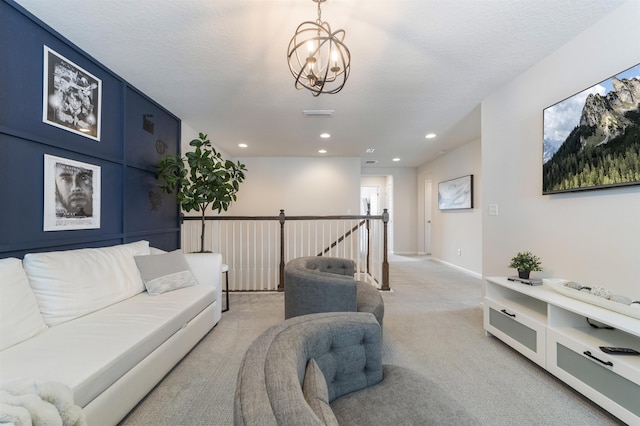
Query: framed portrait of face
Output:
(71,194)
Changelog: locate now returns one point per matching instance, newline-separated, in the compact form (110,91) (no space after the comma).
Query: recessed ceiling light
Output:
(243,145)
(430,135)
(325,135)
(322,151)
(396,159)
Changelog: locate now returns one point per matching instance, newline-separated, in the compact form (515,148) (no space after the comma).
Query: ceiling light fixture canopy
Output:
(318,58)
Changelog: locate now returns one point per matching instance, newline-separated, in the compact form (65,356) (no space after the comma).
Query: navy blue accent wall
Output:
(135,134)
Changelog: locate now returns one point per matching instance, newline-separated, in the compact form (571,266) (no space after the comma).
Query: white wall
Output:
(299,185)
(453,229)
(187,134)
(592,237)
(403,212)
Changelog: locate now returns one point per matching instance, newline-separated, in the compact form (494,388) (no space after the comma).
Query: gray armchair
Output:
(326,369)
(318,284)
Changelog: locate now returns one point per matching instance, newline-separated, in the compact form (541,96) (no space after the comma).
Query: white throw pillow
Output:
(20,318)
(69,284)
(165,272)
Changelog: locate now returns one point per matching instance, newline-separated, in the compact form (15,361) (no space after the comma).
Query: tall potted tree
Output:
(202,178)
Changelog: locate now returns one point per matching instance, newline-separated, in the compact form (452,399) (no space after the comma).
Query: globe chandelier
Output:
(318,57)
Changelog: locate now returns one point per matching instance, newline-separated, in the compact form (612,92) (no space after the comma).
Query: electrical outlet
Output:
(493,210)
(459,252)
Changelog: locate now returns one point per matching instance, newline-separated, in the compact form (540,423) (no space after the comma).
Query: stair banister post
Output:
(281,218)
(385,261)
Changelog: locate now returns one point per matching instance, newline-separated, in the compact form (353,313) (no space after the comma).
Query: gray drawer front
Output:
(615,387)
(513,329)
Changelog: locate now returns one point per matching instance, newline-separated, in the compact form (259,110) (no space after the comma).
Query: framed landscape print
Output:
(71,96)
(592,139)
(71,194)
(456,193)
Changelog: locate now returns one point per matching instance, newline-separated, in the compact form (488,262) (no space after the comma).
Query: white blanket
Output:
(33,402)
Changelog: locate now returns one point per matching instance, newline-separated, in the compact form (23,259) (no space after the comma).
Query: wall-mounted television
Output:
(592,139)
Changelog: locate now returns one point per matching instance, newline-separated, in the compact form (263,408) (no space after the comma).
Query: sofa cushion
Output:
(165,272)
(91,353)
(20,318)
(314,389)
(69,284)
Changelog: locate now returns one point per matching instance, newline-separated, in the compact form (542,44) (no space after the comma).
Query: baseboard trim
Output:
(459,268)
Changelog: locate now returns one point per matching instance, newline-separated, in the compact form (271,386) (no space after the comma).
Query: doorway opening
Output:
(376,193)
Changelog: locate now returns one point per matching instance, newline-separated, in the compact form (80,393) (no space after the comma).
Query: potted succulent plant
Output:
(525,262)
(202,178)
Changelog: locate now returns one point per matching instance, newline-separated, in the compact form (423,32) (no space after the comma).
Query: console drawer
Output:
(611,381)
(518,330)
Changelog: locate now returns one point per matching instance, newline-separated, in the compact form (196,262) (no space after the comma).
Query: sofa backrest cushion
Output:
(20,317)
(316,393)
(165,272)
(69,284)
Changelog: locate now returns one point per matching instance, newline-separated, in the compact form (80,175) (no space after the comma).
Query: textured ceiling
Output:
(417,66)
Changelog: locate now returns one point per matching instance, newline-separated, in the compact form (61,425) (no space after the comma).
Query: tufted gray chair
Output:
(317,284)
(326,369)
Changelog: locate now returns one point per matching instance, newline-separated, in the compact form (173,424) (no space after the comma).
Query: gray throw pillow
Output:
(165,272)
(316,393)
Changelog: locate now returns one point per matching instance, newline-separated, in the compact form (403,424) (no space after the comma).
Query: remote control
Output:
(618,351)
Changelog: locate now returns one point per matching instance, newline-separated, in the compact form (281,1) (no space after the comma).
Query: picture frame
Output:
(591,140)
(72,96)
(71,194)
(456,194)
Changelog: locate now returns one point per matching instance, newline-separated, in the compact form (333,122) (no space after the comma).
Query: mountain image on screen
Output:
(604,148)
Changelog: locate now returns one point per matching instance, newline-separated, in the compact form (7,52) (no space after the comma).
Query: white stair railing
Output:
(256,248)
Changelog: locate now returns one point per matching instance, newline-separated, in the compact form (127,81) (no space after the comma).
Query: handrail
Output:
(342,238)
(282,219)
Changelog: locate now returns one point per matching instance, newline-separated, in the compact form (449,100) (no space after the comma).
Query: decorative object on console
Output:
(525,263)
(591,139)
(318,58)
(528,281)
(456,193)
(599,296)
(203,179)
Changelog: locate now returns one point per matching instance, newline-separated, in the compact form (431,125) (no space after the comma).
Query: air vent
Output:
(318,112)
(371,162)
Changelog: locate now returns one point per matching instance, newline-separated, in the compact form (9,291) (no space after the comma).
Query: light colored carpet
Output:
(432,323)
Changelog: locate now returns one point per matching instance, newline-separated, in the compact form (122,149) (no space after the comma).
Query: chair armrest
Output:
(206,267)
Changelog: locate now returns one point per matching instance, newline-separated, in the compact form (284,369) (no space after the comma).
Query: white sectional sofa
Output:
(85,318)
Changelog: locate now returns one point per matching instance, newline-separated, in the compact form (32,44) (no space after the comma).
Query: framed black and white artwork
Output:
(71,194)
(71,97)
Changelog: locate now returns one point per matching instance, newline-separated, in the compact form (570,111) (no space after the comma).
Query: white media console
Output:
(554,331)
